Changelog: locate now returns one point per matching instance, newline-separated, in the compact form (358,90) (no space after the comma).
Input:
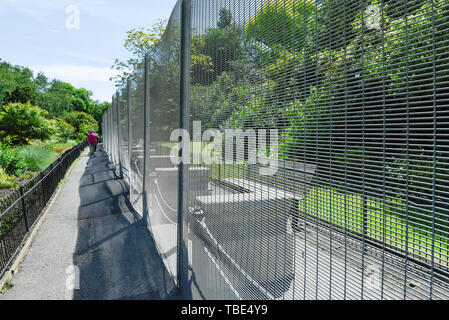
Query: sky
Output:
(74,40)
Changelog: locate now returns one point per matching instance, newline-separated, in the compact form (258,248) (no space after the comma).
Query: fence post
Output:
(119,163)
(130,174)
(24,209)
(183,170)
(365,218)
(146,138)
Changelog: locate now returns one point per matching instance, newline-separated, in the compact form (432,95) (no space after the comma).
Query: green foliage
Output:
(308,121)
(276,22)
(20,95)
(12,160)
(82,122)
(17,161)
(139,42)
(346,53)
(200,63)
(215,103)
(34,108)
(22,122)
(209,50)
(57,99)
(346,210)
(18,85)
(164,87)
(6,180)
(98,111)
(12,77)
(63,130)
(37,157)
(225,18)
(334,23)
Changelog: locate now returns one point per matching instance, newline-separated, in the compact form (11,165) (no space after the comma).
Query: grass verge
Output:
(385,219)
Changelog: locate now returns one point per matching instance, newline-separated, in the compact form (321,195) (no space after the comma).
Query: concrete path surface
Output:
(92,245)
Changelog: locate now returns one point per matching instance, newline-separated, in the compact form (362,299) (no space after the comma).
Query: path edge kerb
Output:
(30,237)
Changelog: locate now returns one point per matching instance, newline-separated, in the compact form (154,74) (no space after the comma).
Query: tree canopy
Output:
(21,90)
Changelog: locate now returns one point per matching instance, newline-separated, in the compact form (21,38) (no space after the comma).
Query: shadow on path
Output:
(115,253)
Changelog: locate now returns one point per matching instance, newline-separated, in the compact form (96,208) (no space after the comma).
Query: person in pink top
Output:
(92,140)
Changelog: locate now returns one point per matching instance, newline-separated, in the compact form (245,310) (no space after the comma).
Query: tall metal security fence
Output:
(348,102)
(21,209)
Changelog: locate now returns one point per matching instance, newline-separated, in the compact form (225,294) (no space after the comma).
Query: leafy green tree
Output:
(22,122)
(12,77)
(82,122)
(334,23)
(12,161)
(225,18)
(41,82)
(62,130)
(210,49)
(99,108)
(6,180)
(282,23)
(139,42)
(20,95)
(57,99)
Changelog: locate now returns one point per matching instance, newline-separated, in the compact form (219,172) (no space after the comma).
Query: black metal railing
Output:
(21,209)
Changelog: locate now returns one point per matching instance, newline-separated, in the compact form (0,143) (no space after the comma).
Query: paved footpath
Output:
(91,245)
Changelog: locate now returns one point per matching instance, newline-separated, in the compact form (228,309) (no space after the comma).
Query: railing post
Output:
(41,175)
(52,177)
(24,209)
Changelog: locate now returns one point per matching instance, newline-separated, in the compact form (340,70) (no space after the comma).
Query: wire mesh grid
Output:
(349,99)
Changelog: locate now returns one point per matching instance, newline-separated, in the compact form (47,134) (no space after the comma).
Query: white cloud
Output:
(71,73)
(94,79)
(39,10)
(38,15)
(78,55)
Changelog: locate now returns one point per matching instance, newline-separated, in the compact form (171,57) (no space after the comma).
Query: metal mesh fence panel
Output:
(115,135)
(110,135)
(163,115)
(317,148)
(122,98)
(137,137)
(107,131)
(355,91)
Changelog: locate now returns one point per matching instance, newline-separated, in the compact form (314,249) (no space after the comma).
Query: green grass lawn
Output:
(39,157)
(24,161)
(385,220)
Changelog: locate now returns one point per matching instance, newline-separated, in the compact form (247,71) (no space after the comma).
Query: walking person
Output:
(92,140)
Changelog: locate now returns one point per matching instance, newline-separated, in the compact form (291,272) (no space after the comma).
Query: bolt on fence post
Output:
(24,209)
